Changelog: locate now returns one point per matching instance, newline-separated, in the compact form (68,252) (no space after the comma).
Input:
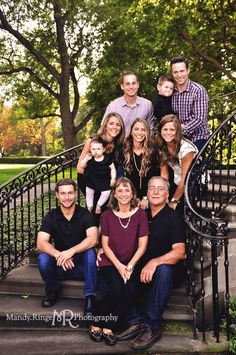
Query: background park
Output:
(61,60)
(49,50)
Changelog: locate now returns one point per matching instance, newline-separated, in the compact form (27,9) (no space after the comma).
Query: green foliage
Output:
(145,34)
(232,314)
(232,324)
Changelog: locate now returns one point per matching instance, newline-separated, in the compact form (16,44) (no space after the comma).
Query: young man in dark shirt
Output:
(166,248)
(74,234)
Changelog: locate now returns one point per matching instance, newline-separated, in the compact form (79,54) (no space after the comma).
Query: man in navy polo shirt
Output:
(74,234)
(166,248)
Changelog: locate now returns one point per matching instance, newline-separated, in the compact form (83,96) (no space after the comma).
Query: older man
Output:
(73,232)
(130,105)
(166,248)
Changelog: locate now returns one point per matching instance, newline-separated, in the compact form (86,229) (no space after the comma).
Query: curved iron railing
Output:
(24,200)
(210,191)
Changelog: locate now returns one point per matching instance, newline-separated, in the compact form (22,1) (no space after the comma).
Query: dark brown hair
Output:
(65,181)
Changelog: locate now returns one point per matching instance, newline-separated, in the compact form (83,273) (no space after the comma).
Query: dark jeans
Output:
(85,269)
(200,143)
(158,294)
(118,298)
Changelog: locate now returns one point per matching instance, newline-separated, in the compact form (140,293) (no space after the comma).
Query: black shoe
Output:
(146,339)
(96,336)
(110,339)
(89,305)
(131,332)
(50,299)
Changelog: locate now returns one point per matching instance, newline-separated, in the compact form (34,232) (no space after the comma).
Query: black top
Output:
(98,174)
(166,228)
(141,184)
(66,234)
(162,107)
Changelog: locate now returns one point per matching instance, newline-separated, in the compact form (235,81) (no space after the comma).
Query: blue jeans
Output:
(85,269)
(157,299)
(200,143)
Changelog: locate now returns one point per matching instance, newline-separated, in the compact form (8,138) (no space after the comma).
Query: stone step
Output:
(26,311)
(25,282)
(226,176)
(175,340)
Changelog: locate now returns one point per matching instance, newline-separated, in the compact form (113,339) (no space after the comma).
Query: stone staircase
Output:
(22,290)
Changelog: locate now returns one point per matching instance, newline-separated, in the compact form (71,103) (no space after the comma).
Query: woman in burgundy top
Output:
(124,229)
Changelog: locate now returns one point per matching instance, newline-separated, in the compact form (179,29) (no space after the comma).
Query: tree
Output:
(145,34)
(44,43)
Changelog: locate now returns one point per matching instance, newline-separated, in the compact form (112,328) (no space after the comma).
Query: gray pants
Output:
(90,197)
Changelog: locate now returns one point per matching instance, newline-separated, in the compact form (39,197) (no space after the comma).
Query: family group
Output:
(132,173)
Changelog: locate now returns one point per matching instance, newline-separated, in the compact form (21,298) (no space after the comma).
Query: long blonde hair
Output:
(102,130)
(147,149)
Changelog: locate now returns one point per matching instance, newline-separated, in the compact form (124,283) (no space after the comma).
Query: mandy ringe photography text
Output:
(63,318)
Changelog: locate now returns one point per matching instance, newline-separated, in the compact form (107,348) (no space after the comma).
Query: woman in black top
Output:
(139,161)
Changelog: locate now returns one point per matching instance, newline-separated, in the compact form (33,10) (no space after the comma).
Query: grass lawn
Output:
(8,171)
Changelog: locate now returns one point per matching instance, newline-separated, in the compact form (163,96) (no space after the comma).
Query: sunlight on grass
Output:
(9,171)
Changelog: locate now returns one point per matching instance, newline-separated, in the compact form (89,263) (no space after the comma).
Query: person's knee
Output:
(90,256)
(164,272)
(45,261)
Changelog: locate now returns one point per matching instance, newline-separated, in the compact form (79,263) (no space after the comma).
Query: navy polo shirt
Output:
(166,228)
(66,234)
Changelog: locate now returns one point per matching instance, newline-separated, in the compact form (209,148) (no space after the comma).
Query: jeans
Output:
(200,143)
(157,299)
(85,269)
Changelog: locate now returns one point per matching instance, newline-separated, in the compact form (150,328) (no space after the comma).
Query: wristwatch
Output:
(130,267)
(173,200)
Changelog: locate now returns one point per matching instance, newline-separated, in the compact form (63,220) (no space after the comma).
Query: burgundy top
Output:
(123,241)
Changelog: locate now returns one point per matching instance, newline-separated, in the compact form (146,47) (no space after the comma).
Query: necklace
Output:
(124,225)
(138,170)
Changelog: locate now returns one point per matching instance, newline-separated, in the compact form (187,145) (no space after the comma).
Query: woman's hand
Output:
(173,205)
(99,253)
(143,203)
(124,271)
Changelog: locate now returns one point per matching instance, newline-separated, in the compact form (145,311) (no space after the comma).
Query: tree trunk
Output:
(43,138)
(67,122)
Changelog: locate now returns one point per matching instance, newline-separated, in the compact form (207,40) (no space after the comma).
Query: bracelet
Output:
(173,200)
(130,267)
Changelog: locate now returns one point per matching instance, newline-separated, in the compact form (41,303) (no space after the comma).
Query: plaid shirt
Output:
(191,106)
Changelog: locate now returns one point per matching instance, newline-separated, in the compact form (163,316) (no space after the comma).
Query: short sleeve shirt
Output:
(123,241)
(166,228)
(67,233)
(185,148)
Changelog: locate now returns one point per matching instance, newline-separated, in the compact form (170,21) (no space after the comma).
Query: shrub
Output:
(22,160)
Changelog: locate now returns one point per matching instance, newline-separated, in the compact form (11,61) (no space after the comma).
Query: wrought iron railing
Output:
(24,200)
(210,190)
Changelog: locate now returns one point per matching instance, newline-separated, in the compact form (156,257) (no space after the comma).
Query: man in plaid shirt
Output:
(190,103)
